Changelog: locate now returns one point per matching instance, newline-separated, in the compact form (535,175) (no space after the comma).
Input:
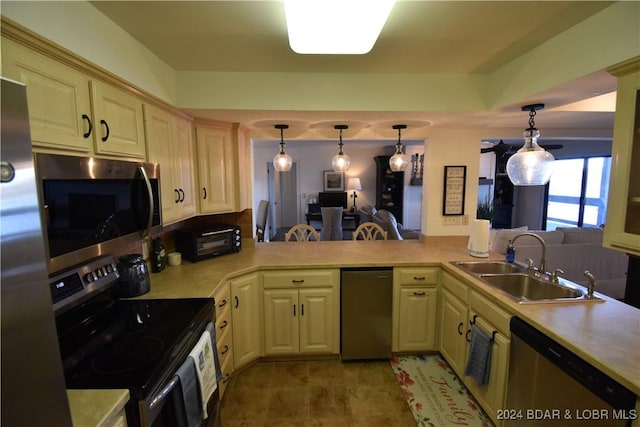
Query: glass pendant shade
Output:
(399,161)
(340,162)
(531,165)
(282,162)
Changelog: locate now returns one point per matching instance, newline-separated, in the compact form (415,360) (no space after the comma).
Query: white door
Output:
(283,196)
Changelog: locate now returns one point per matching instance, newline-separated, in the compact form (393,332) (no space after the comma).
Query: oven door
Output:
(167,408)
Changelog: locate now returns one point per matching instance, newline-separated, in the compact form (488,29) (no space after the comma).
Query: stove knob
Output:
(109,268)
(90,277)
(99,273)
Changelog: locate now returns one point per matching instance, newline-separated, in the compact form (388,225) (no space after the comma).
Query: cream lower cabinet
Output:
(170,145)
(216,162)
(301,312)
(415,309)
(246,316)
(70,112)
(460,309)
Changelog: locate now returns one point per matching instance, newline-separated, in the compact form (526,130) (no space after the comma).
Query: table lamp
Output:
(354,184)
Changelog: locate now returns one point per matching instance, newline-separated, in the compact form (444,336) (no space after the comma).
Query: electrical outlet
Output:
(451,220)
(465,219)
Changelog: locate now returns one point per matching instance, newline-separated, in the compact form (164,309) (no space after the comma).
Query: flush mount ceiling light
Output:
(340,162)
(335,26)
(531,165)
(282,161)
(399,160)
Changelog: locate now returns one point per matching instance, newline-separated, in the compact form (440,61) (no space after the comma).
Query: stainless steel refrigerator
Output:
(33,388)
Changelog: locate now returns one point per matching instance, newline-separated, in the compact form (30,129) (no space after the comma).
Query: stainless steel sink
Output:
(488,267)
(523,285)
(528,288)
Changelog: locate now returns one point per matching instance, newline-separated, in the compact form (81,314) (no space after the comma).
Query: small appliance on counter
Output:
(134,276)
(158,256)
(214,240)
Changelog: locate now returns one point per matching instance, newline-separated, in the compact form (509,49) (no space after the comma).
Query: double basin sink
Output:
(523,285)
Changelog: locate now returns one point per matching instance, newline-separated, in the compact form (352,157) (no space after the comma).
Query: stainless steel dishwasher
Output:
(365,314)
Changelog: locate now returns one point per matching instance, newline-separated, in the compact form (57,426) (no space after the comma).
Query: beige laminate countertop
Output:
(607,334)
(95,408)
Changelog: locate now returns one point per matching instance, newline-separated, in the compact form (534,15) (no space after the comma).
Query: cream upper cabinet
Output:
(246,316)
(118,122)
(70,112)
(414,309)
(622,231)
(169,144)
(301,313)
(58,97)
(216,169)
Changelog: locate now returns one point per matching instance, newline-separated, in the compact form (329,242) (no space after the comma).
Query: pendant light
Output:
(282,161)
(531,165)
(399,161)
(340,162)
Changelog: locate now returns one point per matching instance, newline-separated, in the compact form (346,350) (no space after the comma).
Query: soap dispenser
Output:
(510,255)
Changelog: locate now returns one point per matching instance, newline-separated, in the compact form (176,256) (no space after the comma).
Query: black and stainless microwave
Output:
(202,243)
(93,206)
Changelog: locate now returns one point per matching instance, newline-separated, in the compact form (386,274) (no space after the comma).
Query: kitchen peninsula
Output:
(604,333)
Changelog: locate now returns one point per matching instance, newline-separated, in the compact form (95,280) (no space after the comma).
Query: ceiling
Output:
(449,37)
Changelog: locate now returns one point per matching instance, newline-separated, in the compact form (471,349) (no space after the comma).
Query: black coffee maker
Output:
(158,256)
(134,276)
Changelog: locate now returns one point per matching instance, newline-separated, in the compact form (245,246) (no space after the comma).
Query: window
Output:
(578,192)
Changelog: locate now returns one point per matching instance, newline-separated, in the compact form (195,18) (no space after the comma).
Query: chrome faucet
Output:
(592,284)
(542,268)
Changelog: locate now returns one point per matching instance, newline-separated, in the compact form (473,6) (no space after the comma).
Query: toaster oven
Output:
(202,243)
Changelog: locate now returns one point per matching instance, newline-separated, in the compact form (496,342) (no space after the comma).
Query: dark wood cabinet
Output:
(389,188)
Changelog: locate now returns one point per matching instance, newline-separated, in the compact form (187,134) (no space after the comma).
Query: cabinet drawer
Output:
(227,369)
(491,313)
(417,276)
(224,345)
(223,322)
(300,278)
(455,286)
(222,298)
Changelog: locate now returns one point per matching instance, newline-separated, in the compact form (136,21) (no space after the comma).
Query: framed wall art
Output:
(333,181)
(454,188)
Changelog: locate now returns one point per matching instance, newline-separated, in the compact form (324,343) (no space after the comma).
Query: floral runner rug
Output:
(435,394)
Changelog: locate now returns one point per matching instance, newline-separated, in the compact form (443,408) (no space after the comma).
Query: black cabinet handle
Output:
(87,133)
(237,302)
(224,325)
(294,309)
(419,278)
(204,191)
(181,192)
(225,350)
(175,190)
(297,282)
(460,326)
(222,303)
(302,310)
(106,126)
(419,294)
(467,335)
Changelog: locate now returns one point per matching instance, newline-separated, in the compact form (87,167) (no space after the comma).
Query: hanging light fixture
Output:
(531,165)
(399,160)
(282,161)
(340,162)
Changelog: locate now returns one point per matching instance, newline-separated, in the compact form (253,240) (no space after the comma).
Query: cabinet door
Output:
(417,322)
(453,321)
(246,318)
(281,313)
(160,131)
(216,167)
(318,321)
(492,396)
(118,122)
(58,98)
(183,167)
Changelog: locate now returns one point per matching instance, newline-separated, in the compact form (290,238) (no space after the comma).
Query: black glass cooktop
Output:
(129,344)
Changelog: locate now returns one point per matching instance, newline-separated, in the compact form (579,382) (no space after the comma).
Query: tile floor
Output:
(316,393)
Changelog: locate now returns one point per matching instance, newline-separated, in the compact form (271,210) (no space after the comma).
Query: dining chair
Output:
(369,231)
(331,223)
(302,233)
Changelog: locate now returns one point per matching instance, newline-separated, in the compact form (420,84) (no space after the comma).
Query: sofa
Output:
(387,221)
(573,250)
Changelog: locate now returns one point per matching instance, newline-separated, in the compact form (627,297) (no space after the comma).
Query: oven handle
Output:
(157,400)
